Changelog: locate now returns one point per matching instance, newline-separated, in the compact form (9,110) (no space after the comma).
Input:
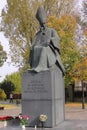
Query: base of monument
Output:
(43,93)
(28,128)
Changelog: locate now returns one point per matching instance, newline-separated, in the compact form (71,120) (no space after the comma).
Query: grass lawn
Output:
(68,104)
(6,106)
(75,104)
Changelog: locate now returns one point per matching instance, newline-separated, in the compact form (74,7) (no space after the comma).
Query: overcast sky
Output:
(7,68)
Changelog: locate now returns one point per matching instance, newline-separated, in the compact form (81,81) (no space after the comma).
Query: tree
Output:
(66,26)
(84,13)
(59,7)
(84,21)
(2,94)
(3,55)
(82,32)
(81,18)
(8,87)
(15,78)
(83,49)
(81,70)
(20,25)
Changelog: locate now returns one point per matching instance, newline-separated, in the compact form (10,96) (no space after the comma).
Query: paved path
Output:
(75,118)
(11,112)
(75,113)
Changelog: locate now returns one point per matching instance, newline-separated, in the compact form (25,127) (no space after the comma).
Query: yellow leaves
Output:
(2,94)
(85,32)
(81,70)
(3,55)
(65,25)
(83,49)
(52,21)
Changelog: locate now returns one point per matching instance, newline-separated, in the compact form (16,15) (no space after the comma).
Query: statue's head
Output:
(41,15)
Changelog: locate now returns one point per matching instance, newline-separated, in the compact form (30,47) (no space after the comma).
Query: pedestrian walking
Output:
(11,97)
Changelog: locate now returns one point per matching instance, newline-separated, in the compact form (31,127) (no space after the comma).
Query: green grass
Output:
(70,104)
(8,106)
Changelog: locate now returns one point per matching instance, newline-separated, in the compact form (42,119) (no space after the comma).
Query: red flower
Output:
(3,118)
(24,116)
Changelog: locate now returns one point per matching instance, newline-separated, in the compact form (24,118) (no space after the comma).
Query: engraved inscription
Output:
(36,87)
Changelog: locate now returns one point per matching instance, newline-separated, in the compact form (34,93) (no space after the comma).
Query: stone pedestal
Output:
(43,93)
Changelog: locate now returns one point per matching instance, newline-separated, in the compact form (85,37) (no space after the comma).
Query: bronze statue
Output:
(45,50)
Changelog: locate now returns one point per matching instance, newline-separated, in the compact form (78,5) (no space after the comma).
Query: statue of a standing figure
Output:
(45,50)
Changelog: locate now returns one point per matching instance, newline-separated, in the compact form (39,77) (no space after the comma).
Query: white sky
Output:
(7,68)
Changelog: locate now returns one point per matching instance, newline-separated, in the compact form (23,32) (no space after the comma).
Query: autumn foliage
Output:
(81,70)
(65,27)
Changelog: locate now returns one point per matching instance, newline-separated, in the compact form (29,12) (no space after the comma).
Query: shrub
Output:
(2,94)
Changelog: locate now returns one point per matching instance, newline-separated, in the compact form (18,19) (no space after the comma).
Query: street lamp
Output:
(82,85)
(83,98)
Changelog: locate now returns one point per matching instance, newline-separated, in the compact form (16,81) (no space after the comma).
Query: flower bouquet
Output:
(43,119)
(23,119)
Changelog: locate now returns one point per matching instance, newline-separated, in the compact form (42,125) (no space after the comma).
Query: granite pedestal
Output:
(43,93)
